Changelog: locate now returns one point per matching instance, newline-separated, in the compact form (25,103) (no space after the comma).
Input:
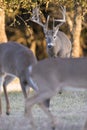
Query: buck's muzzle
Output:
(50,45)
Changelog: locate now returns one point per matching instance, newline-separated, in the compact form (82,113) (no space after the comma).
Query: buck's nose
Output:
(50,45)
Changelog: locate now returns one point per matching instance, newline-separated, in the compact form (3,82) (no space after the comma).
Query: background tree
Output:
(75,21)
(3,36)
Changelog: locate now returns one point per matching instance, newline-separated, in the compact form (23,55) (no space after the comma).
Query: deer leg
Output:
(30,116)
(28,111)
(8,79)
(47,111)
(24,90)
(1,82)
(39,99)
(0,103)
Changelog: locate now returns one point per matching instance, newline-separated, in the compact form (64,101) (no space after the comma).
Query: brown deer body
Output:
(53,75)
(14,62)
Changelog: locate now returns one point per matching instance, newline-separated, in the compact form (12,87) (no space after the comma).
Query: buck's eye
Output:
(54,37)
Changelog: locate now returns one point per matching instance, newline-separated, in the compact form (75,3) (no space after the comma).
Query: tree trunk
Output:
(77,26)
(3,37)
(33,42)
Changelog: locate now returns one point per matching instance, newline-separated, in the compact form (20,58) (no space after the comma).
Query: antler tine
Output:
(47,22)
(63,10)
(63,13)
(54,24)
(35,18)
(57,27)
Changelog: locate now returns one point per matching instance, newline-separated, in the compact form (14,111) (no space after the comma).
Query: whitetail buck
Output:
(14,62)
(53,75)
(58,44)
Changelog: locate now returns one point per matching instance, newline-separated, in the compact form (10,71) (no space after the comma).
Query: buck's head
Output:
(51,38)
(52,35)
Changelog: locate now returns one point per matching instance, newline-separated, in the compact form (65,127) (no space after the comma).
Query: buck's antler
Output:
(36,18)
(63,11)
(36,15)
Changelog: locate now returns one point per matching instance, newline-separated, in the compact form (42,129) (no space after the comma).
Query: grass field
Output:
(69,108)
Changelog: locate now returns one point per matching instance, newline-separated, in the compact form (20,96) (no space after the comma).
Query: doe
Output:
(53,75)
(14,62)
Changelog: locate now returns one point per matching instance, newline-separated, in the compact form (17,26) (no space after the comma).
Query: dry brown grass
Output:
(21,123)
(69,108)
